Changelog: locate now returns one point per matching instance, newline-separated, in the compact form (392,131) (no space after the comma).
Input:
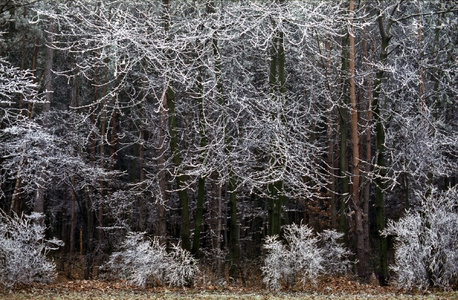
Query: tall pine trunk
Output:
(362,235)
(343,159)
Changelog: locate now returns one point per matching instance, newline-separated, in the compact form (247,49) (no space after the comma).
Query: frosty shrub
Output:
(304,255)
(141,260)
(182,267)
(276,263)
(336,258)
(426,251)
(23,250)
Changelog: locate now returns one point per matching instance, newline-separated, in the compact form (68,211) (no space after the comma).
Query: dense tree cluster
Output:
(215,123)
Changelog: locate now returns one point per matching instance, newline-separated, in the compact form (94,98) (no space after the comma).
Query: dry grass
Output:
(326,288)
(124,294)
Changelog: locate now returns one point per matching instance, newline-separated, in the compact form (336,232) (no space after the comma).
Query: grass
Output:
(58,294)
(326,288)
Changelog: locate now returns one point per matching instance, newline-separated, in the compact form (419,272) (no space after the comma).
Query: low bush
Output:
(426,243)
(303,255)
(23,250)
(141,260)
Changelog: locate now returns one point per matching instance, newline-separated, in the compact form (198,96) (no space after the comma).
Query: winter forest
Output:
(161,141)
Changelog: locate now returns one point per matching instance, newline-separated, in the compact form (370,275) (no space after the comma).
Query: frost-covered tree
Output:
(23,251)
(17,90)
(304,255)
(420,133)
(426,239)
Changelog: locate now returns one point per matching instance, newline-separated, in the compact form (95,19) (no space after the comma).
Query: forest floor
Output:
(330,288)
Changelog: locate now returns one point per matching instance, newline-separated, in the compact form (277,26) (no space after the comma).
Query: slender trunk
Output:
(362,253)
(354,108)
(16,198)
(179,178)
(73,197)
(380,153)
(141,154)
(329,136)
(218,208)
(87,235)
(39,205)
(368,142)
(199,215)
(140,213)
(176,159)
(277,90)
(34,70)
(420,70)
(201,181)
(161,223)
(234,252)
(274,223)
(71,249)
(113,123)
(23,55)
(49,59)
(103,139)
(343,160)
(93,119)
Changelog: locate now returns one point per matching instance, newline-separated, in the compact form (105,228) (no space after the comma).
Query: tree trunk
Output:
(39,205)
(200,183)
(199,215)
(140,212)
(87,235)
(161,222)
(71,248)
(368,142)
(343,160)
(34,70)
(203,144)
(420,69)
(103,139)
(362,236)
(277,90)
(179,178)
(380,153)
(329,136)
(176,159)
(234,252)
(217,224)
(71,245)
